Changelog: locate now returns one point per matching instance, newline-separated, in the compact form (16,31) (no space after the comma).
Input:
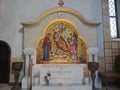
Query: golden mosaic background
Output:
(64,29)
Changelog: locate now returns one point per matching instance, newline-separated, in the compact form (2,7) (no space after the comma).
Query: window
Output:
(113,19)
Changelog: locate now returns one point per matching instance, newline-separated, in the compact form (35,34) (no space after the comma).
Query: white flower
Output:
(48,77)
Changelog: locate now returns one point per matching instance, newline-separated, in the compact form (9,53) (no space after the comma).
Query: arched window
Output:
(113,18)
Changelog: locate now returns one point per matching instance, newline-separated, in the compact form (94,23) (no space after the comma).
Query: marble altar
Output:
(63,77)
(63,73)
(67,73)
(64,87)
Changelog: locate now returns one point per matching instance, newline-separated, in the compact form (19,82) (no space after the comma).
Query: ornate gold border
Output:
(76,28)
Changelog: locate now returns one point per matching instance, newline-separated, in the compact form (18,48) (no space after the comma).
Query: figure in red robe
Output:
(46,47)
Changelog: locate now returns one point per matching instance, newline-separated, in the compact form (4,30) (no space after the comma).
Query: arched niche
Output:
(64,45)
(5,54)
(36,30)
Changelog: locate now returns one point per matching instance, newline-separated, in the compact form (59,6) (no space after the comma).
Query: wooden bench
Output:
(107,76)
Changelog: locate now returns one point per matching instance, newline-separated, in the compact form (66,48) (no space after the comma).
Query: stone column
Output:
(92,51)
(28,52)
(26,80)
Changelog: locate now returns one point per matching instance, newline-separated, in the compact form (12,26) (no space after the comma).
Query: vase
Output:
(47,82)
(93,66)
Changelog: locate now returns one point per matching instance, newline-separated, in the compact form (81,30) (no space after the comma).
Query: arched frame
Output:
(57,10)
(66,44)
(61,9)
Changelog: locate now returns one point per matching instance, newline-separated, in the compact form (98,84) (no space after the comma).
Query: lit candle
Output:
(93,57)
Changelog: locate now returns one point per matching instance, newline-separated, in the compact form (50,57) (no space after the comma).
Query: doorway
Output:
(5,53)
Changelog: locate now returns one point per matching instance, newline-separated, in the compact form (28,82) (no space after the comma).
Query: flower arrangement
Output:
(47,77)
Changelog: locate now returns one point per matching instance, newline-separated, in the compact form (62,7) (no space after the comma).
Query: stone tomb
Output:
(63,76)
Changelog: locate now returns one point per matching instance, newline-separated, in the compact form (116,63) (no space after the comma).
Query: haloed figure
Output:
(46,47)
(73,46)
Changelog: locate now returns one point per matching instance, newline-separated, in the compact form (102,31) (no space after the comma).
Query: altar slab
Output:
(63,73)
(63,87)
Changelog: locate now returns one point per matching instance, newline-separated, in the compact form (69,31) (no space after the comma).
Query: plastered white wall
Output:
(13,12)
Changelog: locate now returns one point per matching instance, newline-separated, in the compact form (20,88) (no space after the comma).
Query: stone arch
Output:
(61,9)
(5,54)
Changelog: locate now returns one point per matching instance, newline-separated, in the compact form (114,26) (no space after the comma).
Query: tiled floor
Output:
(111,88)
(7,87)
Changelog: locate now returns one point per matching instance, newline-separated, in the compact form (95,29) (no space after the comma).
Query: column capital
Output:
(28,51)
(93,50)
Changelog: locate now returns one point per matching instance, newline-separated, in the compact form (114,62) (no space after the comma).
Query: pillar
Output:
(28,52)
